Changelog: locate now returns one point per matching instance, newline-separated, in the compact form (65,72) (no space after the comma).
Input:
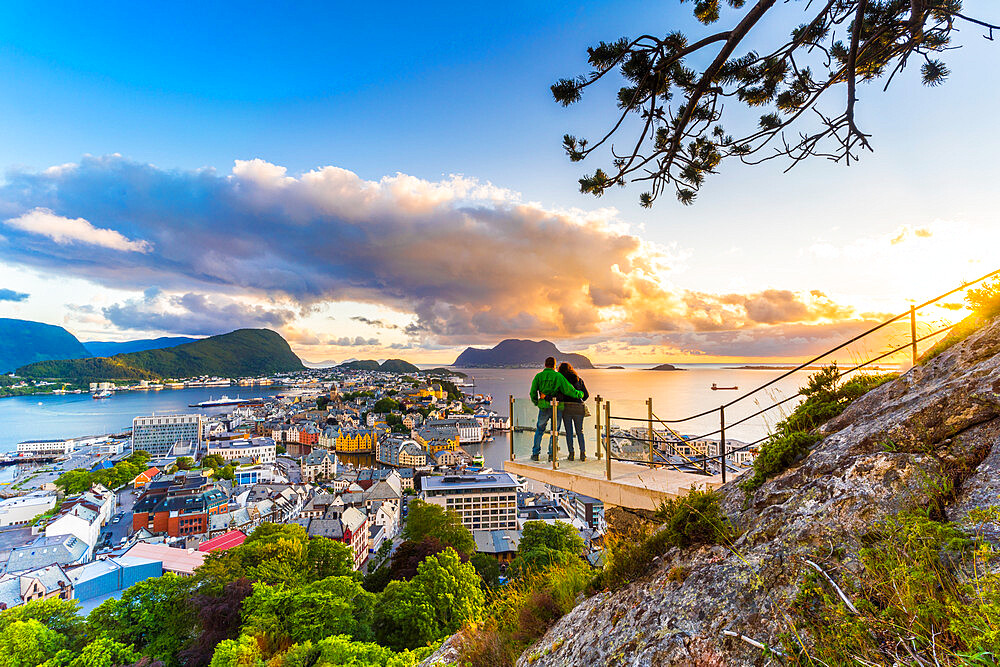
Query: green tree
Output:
(56,614)
(273,554)
(429,520)
(340,650)
(152,616)
(322,402)
(544,545)
(73,482)
(333,606)
(487,568)
(185,463)
(226,472)
(443,596)
(242,652)
(684,94)
(28,643)
(329,558)
(213,461)
(385,404)
(104,652)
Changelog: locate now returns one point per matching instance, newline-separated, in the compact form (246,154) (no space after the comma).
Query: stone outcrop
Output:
(929,438)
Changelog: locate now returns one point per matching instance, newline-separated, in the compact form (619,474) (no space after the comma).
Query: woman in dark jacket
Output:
(573,410)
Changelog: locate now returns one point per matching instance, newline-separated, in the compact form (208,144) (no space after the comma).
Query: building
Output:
(103,578)
(23,509)
(355,534)
(179,507)
(501,544)
(484,502)
(589,510)
(224,542)
(355,440)
(83,516)
(446,458)
(45,447)
(46,550)
(41,583)
(319,464)
(145,477)
(160,434)
(259,450)
(179,561)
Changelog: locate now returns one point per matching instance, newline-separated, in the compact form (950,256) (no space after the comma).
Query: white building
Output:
(82,516)
(260,450)
(21,510)
(484,502)
(160,434)
(45,447)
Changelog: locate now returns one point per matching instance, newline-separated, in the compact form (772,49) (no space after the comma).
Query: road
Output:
(115,531)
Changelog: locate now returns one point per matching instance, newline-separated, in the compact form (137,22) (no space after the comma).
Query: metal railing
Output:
(659,443)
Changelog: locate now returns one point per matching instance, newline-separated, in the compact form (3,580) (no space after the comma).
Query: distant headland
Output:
(515,353)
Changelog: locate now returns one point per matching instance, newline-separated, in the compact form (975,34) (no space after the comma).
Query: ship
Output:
(225,400)
(102,394)
(716,387)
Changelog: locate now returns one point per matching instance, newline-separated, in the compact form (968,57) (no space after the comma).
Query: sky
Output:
(386,180)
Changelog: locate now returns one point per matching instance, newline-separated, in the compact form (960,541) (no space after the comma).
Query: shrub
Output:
(695,518)
(985,301)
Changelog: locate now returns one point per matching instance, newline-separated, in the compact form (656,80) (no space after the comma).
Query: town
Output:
(343,454)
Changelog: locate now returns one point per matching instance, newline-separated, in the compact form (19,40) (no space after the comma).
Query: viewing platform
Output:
(631,485)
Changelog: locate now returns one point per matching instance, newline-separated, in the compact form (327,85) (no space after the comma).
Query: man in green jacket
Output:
(546,385)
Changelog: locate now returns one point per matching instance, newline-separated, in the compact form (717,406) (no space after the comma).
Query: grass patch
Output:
(826,396)
(925,595)
(521,612)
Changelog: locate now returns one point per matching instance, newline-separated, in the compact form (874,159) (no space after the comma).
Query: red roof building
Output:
(144,478)
(233,538)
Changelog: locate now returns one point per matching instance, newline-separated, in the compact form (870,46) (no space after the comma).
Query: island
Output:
(515,353)
(665,367)
(615,368)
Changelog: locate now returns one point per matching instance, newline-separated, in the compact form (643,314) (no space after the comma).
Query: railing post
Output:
(607,437)
(511,431)
(913,334)
(597,402)
(554,445)
(649,426)
(722,439)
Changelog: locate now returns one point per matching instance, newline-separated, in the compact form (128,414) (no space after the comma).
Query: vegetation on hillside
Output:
(245,352)
(387,366)
(984,302)
(826,394)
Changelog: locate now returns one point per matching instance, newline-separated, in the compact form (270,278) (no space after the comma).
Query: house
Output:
(145,477)
(259,450)
(40,583)
(446,458)
(501,544)
(102,578)
(376,536)
(356,534)
(47,550)
(179,507)
(319,464)
(83,515)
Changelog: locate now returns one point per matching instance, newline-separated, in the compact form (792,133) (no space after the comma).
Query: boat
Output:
(225,400)
(716,387)
(102,394)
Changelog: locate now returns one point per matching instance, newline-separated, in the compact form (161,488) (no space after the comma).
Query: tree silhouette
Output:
(679,108)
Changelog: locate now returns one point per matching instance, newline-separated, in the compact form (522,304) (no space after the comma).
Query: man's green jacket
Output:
(548,383)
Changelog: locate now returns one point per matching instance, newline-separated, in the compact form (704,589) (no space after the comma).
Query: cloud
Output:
(357,341)
(11,295)
(469,261)
(65,231)
(193,314)
(379,324)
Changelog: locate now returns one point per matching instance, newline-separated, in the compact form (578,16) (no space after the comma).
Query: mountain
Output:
(239,353)
(326,363)
(24,342)
(387,366)
(515,353)
(99,348)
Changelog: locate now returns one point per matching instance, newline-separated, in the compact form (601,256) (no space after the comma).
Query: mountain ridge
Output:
(518,353)
(26,341)
(239,353)
(99,348)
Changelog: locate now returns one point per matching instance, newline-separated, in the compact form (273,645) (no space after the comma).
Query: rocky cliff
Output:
(930,439)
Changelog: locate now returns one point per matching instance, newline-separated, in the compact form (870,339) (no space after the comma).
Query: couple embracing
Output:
(568,388)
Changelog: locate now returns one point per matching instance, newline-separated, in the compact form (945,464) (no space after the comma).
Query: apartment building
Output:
(484,502)
(160,434)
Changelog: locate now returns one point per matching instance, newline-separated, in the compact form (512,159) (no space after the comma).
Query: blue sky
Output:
(460,88)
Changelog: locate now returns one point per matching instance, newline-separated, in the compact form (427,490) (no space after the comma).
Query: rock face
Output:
(941,419)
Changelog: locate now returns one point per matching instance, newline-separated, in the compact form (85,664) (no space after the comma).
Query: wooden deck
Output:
(631,485)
